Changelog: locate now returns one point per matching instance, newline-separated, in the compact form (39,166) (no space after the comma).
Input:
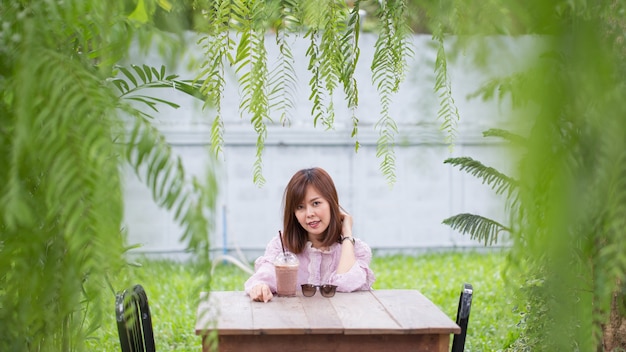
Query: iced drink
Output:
(286,265)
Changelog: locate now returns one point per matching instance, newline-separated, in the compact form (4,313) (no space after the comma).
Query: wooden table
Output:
(379,320)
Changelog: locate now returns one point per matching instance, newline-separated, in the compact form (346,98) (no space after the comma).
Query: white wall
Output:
(406,216)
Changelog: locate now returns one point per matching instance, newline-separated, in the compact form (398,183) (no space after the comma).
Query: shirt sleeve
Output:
(360,276)
(264,272)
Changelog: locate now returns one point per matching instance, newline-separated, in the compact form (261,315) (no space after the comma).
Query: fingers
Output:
(261,293)
(266,293)
(346,223)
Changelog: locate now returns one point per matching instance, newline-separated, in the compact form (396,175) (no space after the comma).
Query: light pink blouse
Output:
(317,267)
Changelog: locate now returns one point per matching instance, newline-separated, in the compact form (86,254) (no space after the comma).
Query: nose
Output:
(309,210)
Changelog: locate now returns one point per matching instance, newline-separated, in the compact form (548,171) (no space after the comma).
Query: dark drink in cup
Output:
(286,265)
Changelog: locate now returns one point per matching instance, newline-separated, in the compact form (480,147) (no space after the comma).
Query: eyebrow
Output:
(314,199)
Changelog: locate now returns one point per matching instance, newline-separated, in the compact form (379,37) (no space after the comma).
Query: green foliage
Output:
(217,47)
(283,86)
(567,249)
(63,144)
(251,65)
(388,71)
(498,181)
(448,112)
(478,227)
(61,190)
(234,33)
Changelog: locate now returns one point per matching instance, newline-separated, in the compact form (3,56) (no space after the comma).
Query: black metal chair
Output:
(462,317)
(134,322)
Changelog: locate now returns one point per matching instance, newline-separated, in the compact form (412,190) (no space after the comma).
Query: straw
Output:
(280,235)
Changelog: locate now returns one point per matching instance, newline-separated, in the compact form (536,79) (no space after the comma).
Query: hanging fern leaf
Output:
(388,70)
(448,112)
(479,228)
(217,45)
(350,56)
(318,93)
(283,80)
(251,64)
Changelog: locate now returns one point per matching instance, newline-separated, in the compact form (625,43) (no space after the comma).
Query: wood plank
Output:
(229,311)
(416,313)
(321,315)
(361,313)
(281,315)
(333,342)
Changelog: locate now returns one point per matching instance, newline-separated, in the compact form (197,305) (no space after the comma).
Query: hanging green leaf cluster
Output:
(235,34)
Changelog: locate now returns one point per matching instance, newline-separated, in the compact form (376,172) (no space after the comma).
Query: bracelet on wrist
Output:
(349,238)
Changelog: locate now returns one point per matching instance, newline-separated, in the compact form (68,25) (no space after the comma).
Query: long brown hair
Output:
(295,235)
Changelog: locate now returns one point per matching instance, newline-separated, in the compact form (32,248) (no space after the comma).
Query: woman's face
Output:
(313,213)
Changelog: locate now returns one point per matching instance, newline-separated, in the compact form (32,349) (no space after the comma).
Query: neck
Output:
(316,243)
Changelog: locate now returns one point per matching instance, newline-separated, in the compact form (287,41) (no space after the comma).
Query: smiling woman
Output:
(315,231)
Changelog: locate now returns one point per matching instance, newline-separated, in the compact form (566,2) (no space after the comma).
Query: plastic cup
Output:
(286,265)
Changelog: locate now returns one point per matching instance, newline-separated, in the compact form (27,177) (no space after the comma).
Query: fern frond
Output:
(448,112)
(216,45)
(151,78)
(251,63)
(512,86)
(506,135)
(479,228)
(498,181)
(332,56)
(329,51)
(283,79)
(318,93)
(350,52)
(154,162)
(388,71)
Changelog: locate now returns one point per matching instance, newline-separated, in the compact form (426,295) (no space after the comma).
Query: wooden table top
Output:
(363,312)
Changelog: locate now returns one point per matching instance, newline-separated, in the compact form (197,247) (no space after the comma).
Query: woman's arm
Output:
(263,282)
(348,258)
(359,276)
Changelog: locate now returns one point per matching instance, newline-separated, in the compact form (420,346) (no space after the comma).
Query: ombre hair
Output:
(295,236)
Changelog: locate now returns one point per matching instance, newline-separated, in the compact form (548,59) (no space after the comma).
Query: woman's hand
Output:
(261,293)
(346,224)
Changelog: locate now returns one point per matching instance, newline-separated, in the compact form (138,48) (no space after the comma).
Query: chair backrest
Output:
(134,323)
(462,317)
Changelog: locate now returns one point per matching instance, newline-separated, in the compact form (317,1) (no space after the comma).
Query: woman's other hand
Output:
(261,293)
(346,224)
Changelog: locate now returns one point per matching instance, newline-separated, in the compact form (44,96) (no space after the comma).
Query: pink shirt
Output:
(317,267)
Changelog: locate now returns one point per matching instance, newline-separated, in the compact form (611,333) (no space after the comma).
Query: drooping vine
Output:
(388,71)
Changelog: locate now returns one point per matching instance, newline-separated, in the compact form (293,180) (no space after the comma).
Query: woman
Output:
(319,232)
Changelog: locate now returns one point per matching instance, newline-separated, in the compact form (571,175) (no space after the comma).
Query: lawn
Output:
(171,289)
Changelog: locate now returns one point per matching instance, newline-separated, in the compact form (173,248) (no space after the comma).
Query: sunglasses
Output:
(309,290)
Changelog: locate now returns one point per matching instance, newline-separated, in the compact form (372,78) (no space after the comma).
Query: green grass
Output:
(171,289)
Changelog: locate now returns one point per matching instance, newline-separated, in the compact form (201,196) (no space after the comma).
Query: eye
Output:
(299,207)
(317,202)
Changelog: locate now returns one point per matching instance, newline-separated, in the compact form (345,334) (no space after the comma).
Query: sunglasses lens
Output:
(328,290)
(308,290)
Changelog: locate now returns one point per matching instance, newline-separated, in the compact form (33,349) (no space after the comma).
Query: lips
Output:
(313,224)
